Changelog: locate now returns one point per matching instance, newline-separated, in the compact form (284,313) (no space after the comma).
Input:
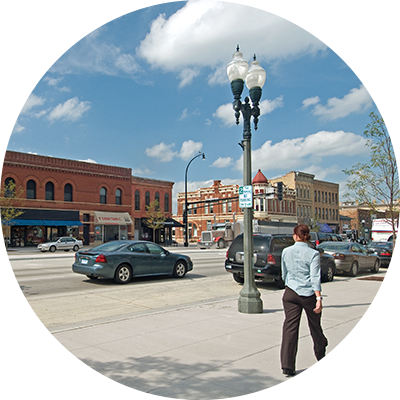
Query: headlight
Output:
(5,301)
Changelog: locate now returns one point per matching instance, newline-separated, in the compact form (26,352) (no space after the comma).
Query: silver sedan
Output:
(351,257)
(7,312)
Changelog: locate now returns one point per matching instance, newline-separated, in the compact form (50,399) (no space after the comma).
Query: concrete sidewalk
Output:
(210,350)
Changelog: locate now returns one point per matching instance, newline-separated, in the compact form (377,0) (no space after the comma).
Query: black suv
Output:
(267,258)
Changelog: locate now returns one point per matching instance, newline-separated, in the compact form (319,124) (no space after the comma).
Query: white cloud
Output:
(189,149)
(89,160)
(53,81)
(357,100)
(127,63)
(187,38)
(33,101)
(71,110)
(187,75)
(310,101)
(162,152)
(222,162)
(227,115)
(18,128)
(302,152)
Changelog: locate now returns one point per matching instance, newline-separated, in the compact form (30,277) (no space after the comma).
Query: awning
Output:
(110,218)
(41,222)
(171,223)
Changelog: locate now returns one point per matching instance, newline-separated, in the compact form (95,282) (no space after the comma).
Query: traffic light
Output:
(280,191)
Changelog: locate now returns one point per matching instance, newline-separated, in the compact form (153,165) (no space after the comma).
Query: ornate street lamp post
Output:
(239,72)
(185,211)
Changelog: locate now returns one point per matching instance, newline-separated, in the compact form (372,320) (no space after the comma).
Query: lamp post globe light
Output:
(239,72)
(185,211)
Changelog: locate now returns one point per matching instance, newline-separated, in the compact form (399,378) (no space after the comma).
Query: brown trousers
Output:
(293,305)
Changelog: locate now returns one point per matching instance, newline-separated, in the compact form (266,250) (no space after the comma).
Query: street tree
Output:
(155,218)
(377,182)
(10,201)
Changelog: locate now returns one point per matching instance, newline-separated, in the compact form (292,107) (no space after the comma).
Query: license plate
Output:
(84,261)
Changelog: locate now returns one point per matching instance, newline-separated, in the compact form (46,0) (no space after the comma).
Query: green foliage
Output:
(155,218)
(10,198)
(377,182)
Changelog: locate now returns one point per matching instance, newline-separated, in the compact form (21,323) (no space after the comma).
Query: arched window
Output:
(103,195)
(118,197)
(147,199)
(158,201)
(166,202)
(31,189)
(49,191)
(137,200)
(68,192)
(9,187)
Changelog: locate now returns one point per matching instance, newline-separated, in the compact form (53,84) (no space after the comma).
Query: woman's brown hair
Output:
(303,232)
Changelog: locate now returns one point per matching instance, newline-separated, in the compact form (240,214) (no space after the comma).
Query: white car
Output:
(63,243)
(7,312)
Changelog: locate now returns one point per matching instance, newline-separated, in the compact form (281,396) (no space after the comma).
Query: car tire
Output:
(353,269)
(76,248)
(330,273)
(123,274)
(280,283)
(52,249)
(179,269)
(221,243)
(5,275)
(238,278)
(92,277)
(375,269)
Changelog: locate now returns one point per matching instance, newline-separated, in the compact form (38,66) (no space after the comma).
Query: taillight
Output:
(385,254)
(339,256)
(226,256)
(270,259)
(101,258)
(317,242)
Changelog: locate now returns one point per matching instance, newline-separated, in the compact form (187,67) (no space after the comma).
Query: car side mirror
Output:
(321,251)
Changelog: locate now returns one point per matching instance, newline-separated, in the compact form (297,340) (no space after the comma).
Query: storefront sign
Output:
(105,218)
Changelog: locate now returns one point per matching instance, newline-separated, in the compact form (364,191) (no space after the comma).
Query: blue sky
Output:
(149,90)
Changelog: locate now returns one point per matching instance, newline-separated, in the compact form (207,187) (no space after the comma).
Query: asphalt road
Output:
(48,296)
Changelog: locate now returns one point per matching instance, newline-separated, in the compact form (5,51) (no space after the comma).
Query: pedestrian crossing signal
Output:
(280,191)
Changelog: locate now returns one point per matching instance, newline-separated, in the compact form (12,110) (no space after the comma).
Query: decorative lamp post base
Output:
(250,302)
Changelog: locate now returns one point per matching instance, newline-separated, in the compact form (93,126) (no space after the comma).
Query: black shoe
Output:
(288,372)
(324,360)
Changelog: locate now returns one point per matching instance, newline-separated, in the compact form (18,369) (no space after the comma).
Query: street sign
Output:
(246,196)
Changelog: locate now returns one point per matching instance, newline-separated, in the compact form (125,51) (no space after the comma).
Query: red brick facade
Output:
(46,183)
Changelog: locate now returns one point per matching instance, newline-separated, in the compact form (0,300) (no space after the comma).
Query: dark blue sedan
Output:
(123,259)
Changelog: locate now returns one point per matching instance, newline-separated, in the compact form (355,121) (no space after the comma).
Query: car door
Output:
(369,259)
(61,244)
(140,259)
(160,262)
(70,242)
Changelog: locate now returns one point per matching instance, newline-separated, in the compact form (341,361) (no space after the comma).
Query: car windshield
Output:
(334,246)
(110,246)
(380,244)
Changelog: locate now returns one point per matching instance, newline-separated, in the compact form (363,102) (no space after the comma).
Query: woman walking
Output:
(301,273)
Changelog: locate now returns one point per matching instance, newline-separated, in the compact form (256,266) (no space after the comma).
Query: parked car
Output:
(123,259)
(320,237)
(351,257)
(7,312)
(383,250)
(63,243)
(267,258)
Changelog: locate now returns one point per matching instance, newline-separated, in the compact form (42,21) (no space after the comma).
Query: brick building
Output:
(93,201)
(220,203)
(316,200)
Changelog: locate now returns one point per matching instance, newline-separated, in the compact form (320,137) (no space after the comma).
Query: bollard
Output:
(396,332)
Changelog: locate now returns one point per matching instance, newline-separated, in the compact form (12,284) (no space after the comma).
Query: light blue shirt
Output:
(301,269)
